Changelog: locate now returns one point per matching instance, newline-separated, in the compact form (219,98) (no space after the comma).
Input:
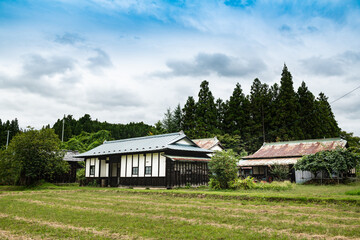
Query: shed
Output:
(285,153)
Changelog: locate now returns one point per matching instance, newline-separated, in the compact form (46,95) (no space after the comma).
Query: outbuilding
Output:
(167,160)
(258,165)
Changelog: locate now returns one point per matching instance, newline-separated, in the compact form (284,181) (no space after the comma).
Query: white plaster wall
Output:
(184,142)
(87,168)
(148,159)
(155,165)
(162,166)
(123,167)
(141,165)
(216,148)
(97,167)
(128,167)
(135,160)
(106,170)
(103,171)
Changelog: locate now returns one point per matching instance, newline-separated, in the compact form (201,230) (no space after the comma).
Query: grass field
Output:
(102,213)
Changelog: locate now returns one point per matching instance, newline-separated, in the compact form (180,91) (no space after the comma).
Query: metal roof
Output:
(296,148)
(70,156)
(207,143)
(267,161)
(143,144)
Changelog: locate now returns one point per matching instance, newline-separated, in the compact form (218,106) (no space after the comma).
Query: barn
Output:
(167,160)
(287,153)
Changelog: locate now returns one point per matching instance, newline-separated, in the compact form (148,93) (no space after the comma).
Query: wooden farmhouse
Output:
(212,144)
(74,162)
(167,160)
(288,153)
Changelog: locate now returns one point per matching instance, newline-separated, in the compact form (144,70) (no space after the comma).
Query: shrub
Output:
(247,183)
(353,192)
(280,172)
(223,169)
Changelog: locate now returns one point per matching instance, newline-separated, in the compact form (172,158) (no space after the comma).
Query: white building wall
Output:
(155,165)
(184,142)
(162,166)
(141,165)
(97,163)
(103,171)
(87,168)
(123,166)
(128,167)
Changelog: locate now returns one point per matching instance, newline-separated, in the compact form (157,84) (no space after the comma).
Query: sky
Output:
(123,61)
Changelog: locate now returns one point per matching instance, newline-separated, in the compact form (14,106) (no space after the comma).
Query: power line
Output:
(345,95)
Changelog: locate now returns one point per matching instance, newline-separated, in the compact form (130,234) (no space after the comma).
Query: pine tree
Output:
(177,115)
(220,114)
(325,118)
(189,115)
(237,114)
(205,111)
(260,101)
(307,116)
(287,114)
(168,122)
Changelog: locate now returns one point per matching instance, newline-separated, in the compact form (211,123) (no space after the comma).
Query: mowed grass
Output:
(102,213)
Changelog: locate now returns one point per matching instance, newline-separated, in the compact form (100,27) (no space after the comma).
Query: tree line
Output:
(267,114)
(73,127)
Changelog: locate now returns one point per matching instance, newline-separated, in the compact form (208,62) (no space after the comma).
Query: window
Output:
(135,171)
(148,170)
(92,170)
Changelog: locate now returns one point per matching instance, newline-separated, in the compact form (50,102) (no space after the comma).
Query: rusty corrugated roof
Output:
(296,148)
(207,143)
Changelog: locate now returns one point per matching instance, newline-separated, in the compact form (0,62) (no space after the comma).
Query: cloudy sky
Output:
(129,60)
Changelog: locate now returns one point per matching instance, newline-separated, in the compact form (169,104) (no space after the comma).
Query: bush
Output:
(223,169)
(280,172)
(248,183)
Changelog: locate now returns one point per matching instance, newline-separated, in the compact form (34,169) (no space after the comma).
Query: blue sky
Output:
(124,61)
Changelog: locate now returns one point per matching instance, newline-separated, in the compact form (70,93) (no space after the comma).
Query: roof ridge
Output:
(144,137)
(306,141)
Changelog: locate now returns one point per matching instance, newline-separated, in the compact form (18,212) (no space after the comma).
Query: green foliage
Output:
(73,127)
(338,162)
(32,156)
(86,141)
(12,126)
(80,175)
(353,192)
(234,143)
(249,183)
(267,114)
(279,172)
(223,168)
(205,111)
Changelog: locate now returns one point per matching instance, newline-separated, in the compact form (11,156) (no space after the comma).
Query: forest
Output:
(243,122)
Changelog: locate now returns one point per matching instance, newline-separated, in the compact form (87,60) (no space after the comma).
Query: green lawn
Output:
(111,213)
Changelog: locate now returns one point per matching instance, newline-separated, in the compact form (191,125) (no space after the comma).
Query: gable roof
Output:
(144,144)
(70,156)
(296,148)
(208,143)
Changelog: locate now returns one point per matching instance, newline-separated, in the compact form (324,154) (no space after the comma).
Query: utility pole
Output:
(7,139)
(62,134)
